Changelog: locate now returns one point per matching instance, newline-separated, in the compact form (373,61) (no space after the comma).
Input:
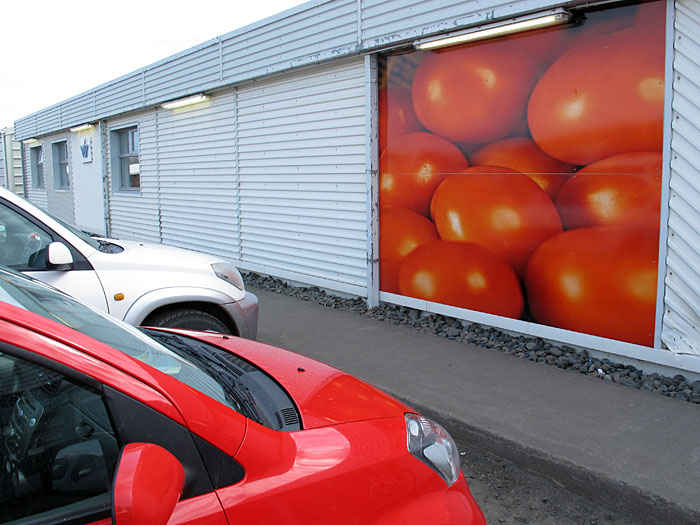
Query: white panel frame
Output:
(619,349)
(372,178)
(665,175)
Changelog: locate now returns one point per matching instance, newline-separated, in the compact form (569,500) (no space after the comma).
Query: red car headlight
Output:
(434,446)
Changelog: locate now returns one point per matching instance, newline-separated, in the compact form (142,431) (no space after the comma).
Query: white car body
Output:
(138,283)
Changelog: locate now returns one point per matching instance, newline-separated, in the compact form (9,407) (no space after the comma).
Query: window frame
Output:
(79,260)
(37,162)
(61,166)
(122,181)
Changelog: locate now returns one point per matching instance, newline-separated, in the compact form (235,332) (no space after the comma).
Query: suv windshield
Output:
(41,299)
(75,231)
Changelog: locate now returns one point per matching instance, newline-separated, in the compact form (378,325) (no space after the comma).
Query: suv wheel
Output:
(188,319)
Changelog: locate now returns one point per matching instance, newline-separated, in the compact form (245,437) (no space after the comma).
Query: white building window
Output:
(36,155)
(60,165)
(125,158)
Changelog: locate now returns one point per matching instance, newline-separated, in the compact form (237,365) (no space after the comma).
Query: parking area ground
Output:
(628,448)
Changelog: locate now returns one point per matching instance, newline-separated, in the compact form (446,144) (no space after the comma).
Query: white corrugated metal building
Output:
(10,162)
(277,170)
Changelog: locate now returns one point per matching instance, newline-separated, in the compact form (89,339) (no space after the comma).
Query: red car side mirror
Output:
(147,485)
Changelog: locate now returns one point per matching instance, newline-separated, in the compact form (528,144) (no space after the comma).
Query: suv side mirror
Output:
(59,257)
(147,485)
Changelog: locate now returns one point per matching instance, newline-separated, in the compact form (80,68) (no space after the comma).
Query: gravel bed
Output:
(523,347)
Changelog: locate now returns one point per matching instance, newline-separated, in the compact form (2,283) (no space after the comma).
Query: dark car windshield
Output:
(41,299)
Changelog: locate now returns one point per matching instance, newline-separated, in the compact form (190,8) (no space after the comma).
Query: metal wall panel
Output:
(301,142)
(17,166)
(4,166)
(120,95)
(388,21)
(196,70)
(197,174)
(78,110)
(135,215)
(681,321)
(302,37)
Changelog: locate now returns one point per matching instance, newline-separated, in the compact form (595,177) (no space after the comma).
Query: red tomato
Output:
(400,232)
(412,166)
(508,213)
(601,98)
(464,275)
(597,23)
(473,94)
(543,45)
(622,189)
(522,154)
(396,116)
(599,281)
(652,17)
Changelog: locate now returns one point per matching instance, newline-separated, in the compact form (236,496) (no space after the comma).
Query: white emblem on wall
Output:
(86,149)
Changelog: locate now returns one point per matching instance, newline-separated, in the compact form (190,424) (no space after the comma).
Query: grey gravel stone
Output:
(520,346)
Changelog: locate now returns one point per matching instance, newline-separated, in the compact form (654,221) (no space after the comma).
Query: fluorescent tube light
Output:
(536,21)
(82,127)
(30,141)
(184,101)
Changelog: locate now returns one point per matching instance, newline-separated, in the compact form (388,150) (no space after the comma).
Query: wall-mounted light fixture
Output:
(194,99)
(83,127)
(30,141)
(540,20)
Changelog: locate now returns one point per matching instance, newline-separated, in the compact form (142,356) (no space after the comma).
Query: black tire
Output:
(188,319)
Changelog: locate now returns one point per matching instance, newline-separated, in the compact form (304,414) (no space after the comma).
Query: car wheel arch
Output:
(206,309)
(156,302)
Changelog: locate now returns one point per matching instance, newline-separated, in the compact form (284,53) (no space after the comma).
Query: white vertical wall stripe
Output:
(681,321)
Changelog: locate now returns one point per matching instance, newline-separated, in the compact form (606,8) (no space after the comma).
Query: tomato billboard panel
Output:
(521,176)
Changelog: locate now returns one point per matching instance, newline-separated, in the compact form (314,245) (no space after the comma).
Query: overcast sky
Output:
(53,50)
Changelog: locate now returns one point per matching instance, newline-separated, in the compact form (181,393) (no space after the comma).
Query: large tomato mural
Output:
(396,115)
(600,281)
(522,154)
(624,189)
(508,213)
(401,231)
(604,97)
(521,176)
(464,275)
(412,166)
(474,94)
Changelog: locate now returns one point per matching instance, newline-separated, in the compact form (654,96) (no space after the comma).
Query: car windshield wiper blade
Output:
(219,370)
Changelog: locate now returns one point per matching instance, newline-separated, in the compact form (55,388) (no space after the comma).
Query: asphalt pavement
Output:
(628,448)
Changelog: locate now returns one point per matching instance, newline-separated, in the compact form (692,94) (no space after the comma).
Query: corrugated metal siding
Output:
(136,215)
(307,34)
(326,31)
(196,167)
(302,174)
(681,322)
(17,167)
(388,21)
(4,177)
(118,96)
(197,70)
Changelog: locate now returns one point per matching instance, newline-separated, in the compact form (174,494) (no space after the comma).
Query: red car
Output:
(102,422)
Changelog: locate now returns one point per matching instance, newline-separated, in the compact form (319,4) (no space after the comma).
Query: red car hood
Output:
(323,394)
